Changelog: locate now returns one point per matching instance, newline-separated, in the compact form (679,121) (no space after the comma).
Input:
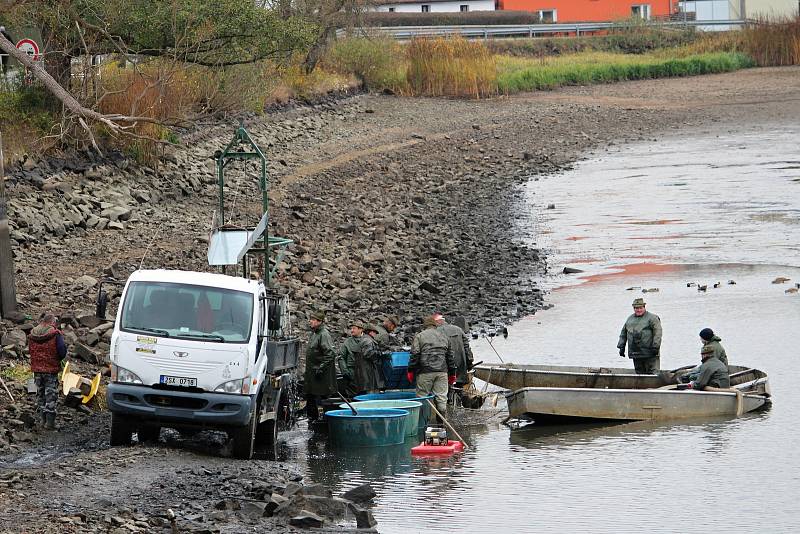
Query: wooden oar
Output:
(355,412)
(447,423)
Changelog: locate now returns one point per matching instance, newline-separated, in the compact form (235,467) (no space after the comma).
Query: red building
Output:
(591,10)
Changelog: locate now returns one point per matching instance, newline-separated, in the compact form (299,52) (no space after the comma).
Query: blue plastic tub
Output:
(394,370)
(370,427)
(413,407)
(425,413)
(387,395)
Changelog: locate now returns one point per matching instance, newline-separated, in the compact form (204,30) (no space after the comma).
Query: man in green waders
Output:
(320,376)
(642,334)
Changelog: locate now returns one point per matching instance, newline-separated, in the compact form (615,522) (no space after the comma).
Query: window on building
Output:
(641,11)
(463,8)
(547,15)
(391,10)
(426,8)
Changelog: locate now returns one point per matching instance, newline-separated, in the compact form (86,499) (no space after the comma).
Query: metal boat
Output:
(514,376)
(749,391)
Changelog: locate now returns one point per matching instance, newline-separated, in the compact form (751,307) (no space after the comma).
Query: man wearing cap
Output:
(712,372)
(432,363)
(320,376)
(356,361)
(383,337)
(462,353)
(642,334)
(710,339)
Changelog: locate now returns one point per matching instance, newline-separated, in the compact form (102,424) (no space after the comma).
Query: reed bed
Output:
(451,67)
(517,75)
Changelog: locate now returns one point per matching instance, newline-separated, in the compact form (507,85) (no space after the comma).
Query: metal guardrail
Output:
(531,30)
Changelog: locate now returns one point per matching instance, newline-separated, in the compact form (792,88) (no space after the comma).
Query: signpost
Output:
(30,47)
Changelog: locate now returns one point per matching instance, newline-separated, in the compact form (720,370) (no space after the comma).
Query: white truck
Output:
(194,350)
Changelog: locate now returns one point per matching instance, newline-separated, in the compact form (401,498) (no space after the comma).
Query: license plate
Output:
(178,381)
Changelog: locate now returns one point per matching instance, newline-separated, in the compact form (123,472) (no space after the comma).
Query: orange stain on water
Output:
(633,269)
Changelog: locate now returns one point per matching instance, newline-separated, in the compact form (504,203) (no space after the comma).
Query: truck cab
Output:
(194,350)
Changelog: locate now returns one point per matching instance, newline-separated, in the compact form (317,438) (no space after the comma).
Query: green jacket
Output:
(642,335)
(320,374)
(713,373)
(432,352)
(462,353)
(356,363)
(719,352)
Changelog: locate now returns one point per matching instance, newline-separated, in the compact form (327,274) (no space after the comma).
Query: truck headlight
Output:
(232,386)
(120,374)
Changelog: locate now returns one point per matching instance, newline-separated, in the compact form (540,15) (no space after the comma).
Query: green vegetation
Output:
(516,75)
(17,373)
(625,39)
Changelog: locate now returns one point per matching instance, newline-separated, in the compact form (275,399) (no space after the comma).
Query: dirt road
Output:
(380,194)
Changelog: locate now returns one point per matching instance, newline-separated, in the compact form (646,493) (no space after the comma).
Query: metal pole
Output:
(8,288)
(267,275)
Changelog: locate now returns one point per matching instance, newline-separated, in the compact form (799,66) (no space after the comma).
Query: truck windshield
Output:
(188,311)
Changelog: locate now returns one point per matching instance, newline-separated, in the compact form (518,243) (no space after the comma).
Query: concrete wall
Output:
(440,7)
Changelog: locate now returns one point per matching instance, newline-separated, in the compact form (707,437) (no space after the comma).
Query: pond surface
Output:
(650,216)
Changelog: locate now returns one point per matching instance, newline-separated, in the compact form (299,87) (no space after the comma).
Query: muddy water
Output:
(653,216)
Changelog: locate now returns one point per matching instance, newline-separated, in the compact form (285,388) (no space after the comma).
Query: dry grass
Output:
(451,67)
(770,42)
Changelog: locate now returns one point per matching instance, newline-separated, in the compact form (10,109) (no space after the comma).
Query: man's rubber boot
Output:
(50,423)
(43,417)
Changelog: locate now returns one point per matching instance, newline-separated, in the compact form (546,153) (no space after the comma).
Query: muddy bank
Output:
(385,197)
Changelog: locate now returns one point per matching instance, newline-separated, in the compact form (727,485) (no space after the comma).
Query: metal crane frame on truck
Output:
(195,351)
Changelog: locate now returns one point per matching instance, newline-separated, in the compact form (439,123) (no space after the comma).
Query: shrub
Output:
(451,67)
(628,41)
(377,62)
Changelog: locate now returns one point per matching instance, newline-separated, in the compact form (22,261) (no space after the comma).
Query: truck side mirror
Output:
(101,304)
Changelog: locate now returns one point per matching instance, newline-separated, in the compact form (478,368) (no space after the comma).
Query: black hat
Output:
(706,334)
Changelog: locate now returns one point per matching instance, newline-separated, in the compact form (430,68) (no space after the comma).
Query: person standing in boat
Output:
(462,353)
(432,363)
(712,372)
(642,334)
(710,339)
(319,381)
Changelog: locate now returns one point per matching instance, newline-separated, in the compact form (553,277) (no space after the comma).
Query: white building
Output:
(771,8)
(436,6)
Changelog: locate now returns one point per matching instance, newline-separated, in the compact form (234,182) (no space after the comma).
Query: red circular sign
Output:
(30,47)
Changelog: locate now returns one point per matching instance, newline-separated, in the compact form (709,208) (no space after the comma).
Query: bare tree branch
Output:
(111,121)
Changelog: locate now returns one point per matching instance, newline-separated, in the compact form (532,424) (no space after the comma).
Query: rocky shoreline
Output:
(403,206)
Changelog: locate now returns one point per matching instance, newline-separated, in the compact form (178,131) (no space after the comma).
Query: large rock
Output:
(85,281)
(306,519)
(364,518)
(116,213)
(360,494)
(15,337)
(86,354)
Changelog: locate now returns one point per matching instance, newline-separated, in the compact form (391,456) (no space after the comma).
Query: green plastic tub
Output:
(408,394)
(413,407)
(370,427)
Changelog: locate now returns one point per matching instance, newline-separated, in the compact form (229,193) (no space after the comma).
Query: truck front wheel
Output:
(121,430)
(244,438)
